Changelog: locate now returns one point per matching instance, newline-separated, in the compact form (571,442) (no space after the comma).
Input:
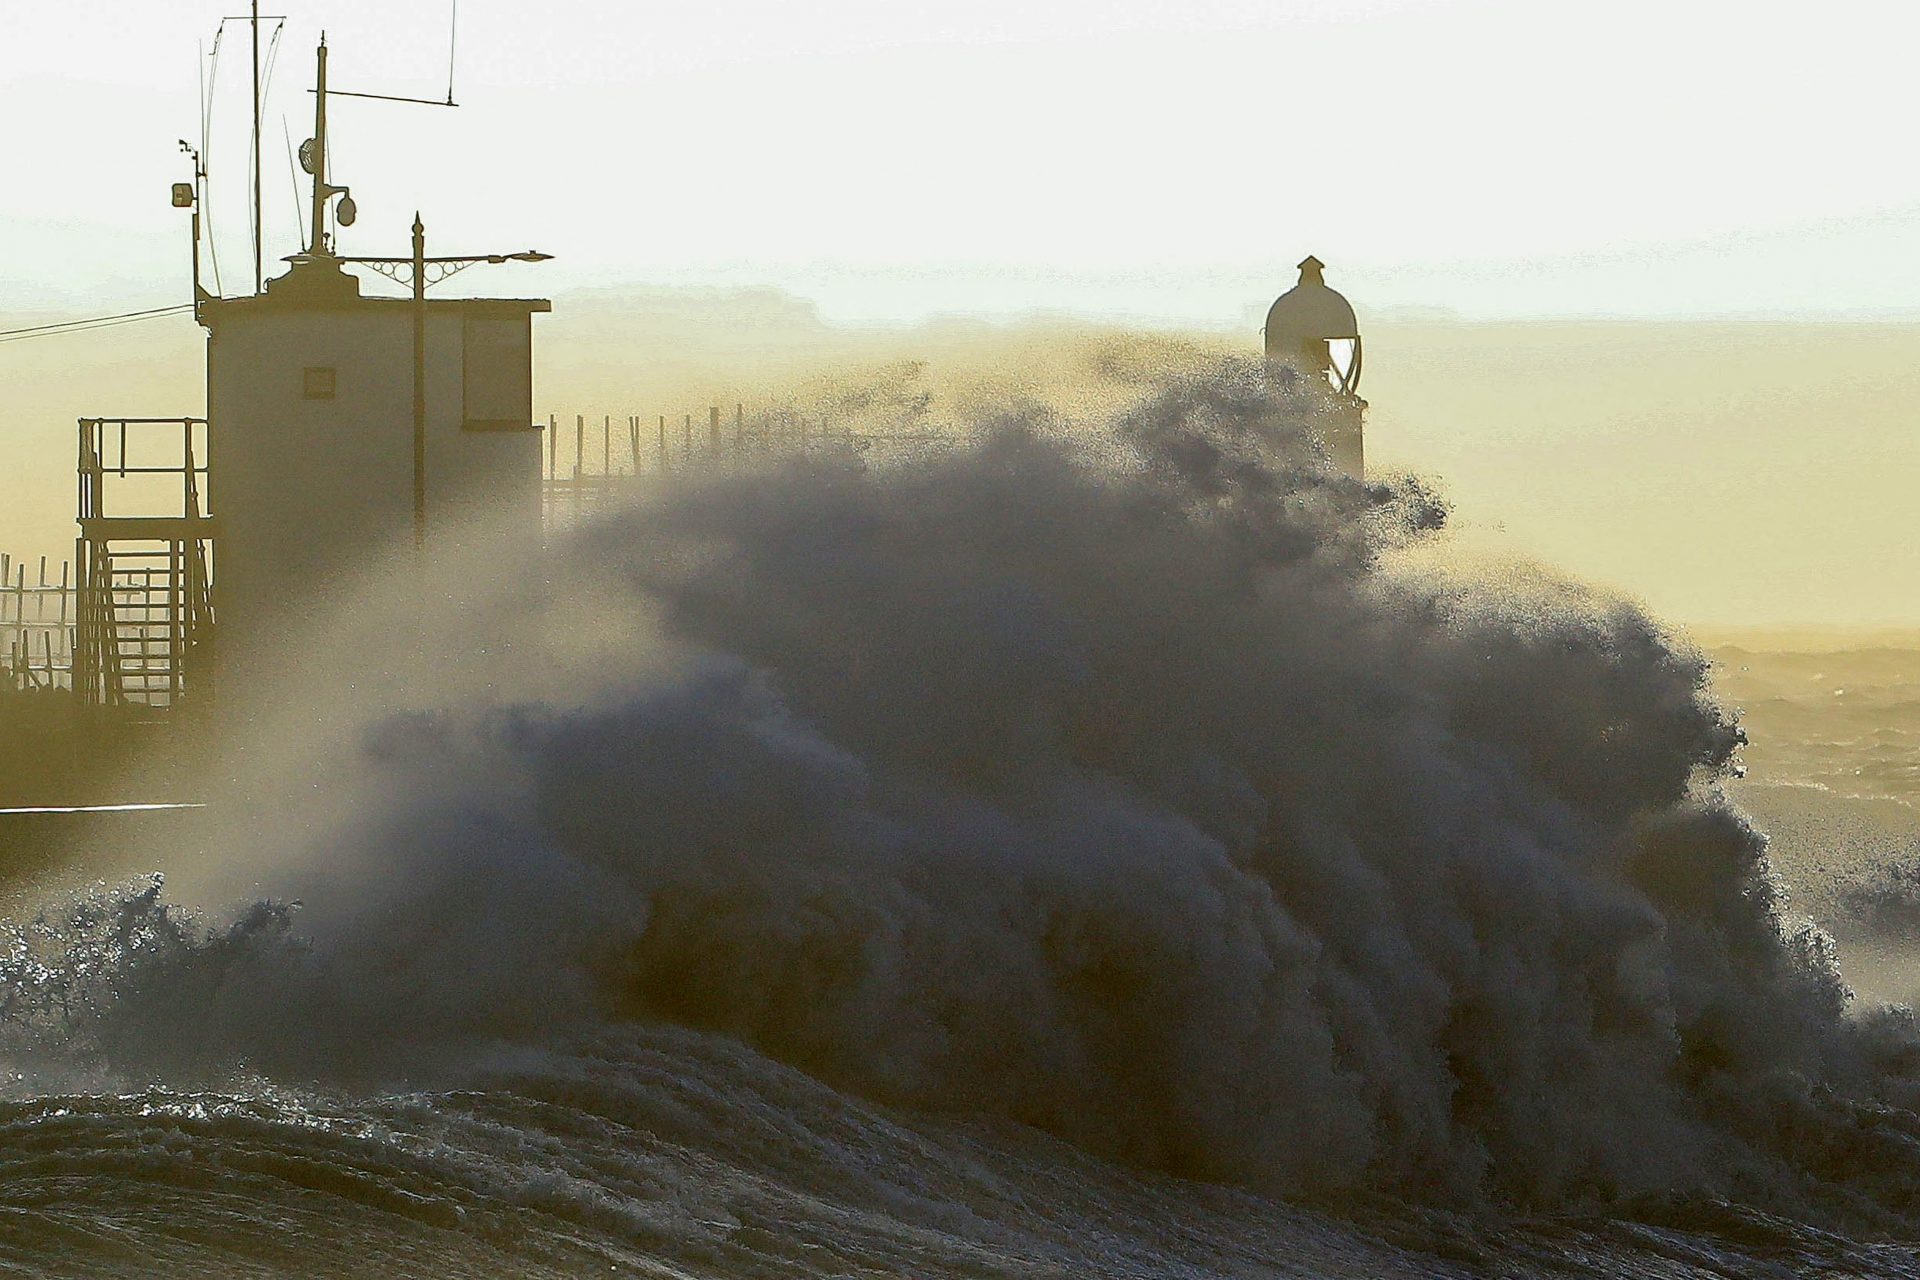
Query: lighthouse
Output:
(1311,328)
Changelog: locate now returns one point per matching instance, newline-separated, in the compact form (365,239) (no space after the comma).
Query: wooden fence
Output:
(36,625)
(589,464)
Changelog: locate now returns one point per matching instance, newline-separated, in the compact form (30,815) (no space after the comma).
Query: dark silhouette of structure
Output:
(1312,328)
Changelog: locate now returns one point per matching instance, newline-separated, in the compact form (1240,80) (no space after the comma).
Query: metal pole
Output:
(259,232)
(79,669)
(419,377)
(194,248)
(319,240)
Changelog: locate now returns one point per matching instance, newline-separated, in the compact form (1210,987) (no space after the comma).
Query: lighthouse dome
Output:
(1310,311)
(1311,328)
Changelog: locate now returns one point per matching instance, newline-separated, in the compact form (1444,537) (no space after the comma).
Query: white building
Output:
(310,396)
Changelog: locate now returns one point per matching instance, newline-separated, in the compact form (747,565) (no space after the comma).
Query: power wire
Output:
(91,322)
(266,87)
(206,156)
(299,215)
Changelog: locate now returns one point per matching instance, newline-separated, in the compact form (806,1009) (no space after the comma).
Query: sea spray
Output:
(1138,781)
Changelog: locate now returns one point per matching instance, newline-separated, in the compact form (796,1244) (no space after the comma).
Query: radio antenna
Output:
(315,156)
(259,276)
(299,219)
(209,80)
(252,19)
(453,32)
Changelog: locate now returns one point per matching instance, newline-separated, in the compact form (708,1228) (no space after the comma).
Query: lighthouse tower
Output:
(1311,328)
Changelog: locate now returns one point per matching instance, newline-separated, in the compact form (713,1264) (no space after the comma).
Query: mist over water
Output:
(1140,781)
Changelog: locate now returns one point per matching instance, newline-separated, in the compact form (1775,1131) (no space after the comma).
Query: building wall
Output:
(312,491)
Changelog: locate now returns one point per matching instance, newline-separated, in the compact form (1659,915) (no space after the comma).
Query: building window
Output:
(498,375)
(317,384)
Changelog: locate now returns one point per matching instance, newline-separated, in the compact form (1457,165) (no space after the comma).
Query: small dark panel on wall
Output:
(497,382)
(317,384)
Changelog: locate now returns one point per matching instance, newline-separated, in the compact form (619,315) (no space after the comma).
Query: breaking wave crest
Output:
(1145,783)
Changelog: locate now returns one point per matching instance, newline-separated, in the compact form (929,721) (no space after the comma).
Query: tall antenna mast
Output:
(317,163)
(313,152)
(259,230)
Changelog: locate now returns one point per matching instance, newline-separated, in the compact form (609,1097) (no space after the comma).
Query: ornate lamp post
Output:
(420,271)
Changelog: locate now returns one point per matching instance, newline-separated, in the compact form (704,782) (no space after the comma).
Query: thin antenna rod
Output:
(259,230)
(387,97)
(317,244)
(293,176)
(200,67)
(453,33)
(211,83)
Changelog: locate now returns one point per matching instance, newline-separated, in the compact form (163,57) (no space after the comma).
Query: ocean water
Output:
(1833,776)
(1119,848)
(657,1152)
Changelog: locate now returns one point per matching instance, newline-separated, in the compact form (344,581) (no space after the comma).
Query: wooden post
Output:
(689,440)
(713,429)
(419,316)
(77,674)
(579,458)
(664,462)
(633,438)
(739,426)
(174,638)
(553,447)
(606,445)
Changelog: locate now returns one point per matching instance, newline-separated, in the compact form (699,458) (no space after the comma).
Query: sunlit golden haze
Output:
(1729,474)
(1694,191)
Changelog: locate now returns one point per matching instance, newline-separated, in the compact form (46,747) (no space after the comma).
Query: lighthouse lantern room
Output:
(1312,328)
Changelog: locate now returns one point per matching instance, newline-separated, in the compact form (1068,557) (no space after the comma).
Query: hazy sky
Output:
(1138,159)
(896,158)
